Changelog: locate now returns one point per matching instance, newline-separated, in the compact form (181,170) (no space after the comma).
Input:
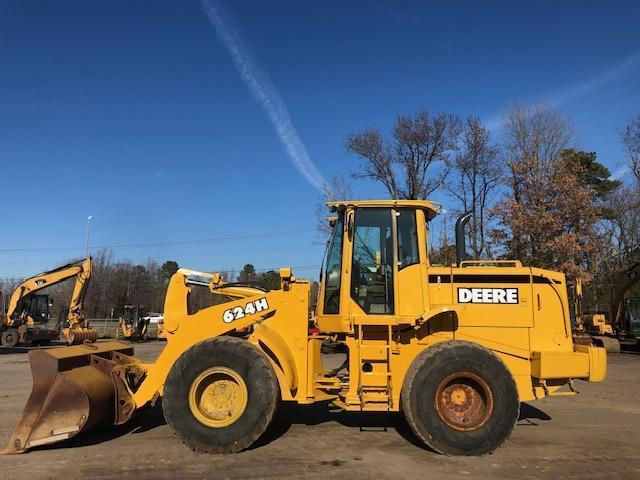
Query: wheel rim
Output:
(464,401)
(218,397)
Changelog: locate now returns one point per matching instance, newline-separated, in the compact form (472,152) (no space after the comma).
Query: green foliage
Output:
(269,280)
(167,269)
(592,173)
(248,274)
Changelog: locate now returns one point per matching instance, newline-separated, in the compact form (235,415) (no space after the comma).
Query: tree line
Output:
(116,283)
(113,284)
(533,194)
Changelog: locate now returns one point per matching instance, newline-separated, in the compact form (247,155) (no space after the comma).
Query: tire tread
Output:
(422,361)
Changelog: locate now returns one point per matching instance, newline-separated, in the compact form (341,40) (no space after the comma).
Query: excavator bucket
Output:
(74,389)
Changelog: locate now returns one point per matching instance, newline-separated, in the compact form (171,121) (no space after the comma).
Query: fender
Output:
(268,337)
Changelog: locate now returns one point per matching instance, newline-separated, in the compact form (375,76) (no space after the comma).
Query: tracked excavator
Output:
(620,324)
(25,319)
(455,348)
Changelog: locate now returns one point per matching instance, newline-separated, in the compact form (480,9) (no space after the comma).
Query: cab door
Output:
(373,270)
(411,270)
(386,271)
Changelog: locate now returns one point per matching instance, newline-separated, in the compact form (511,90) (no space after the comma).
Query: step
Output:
(374,397)
(374,379)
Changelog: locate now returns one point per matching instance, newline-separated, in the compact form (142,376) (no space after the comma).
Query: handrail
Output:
(485,263)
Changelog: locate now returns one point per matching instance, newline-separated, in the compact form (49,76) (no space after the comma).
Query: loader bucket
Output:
(73,391)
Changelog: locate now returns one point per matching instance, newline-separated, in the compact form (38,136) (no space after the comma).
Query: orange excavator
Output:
(26,318)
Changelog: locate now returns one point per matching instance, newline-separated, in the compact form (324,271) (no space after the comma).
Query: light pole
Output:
(89,218)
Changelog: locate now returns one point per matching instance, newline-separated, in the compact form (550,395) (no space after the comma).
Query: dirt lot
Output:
(594,435)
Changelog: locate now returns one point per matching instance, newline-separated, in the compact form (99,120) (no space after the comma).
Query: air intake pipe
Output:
(461,251)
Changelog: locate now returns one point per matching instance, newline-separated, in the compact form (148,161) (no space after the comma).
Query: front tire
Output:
(220,395)
(460,399)
(10,338)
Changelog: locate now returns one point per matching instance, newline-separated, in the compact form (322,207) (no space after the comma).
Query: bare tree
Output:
(535,135)
(549,216)
(406,164)
(477,175)
(340,189)
(622,225)
(631,141)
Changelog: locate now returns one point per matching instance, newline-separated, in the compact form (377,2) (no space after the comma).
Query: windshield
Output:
(333,268)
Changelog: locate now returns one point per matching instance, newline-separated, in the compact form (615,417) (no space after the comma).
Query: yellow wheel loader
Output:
(455,348)
(25,319)
(132,324)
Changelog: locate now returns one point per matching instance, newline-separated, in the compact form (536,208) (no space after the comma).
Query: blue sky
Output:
(135,112)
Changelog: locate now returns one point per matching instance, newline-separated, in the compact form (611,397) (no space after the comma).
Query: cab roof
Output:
(431,208)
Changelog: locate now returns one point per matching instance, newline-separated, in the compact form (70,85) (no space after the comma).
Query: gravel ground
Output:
(593,435)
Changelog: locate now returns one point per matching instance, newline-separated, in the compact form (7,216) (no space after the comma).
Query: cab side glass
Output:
(333,270)
(407,238)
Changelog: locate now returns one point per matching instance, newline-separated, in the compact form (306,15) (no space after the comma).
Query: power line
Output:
(157,244)
(227,269)
(295,248)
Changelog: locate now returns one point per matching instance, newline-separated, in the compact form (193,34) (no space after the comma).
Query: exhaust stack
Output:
(461,251)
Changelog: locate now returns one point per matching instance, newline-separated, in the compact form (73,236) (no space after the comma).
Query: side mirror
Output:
(350,226)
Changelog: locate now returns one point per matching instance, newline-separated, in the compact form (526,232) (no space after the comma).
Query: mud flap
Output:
(74,389)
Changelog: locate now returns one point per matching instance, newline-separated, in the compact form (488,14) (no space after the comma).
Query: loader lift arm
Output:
(78,330)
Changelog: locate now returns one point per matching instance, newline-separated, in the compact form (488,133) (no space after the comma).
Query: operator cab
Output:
(34,307)
(376,257)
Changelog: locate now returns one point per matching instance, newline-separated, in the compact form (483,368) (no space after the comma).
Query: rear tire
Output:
(460,399)
(194,412)
(10,338)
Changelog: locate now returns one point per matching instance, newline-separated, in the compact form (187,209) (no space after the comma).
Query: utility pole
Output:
(89,218)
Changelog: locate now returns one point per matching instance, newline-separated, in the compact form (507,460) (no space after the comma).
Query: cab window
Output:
(333,270)
(407,238)
(372,268)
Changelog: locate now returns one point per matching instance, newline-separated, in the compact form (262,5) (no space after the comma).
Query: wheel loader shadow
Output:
(144,421)
(528,415)
(291,414)
(286,416)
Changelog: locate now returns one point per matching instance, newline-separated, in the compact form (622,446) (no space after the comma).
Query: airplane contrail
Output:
(264,91)
(559,97)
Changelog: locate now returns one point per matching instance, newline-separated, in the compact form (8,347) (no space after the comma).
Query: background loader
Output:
(455,348)
(132,324)
(27,313)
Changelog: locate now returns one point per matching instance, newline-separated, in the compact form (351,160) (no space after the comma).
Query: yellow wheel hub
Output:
(218,397)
